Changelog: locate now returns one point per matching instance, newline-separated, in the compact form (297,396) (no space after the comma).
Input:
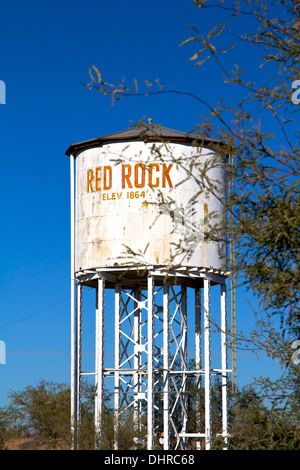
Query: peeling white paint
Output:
(149,220)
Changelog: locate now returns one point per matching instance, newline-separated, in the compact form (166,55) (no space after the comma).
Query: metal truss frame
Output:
(151,374)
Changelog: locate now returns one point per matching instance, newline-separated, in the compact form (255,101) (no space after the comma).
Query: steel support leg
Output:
(166,365)
(198,362)
(224,362)
(73,372)
(137,358)
(207,363)
(73,324)
(79,355)
(117,365)
(150,406)
(99,363)
(184,358)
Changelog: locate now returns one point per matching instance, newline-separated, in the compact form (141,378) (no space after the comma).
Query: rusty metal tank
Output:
(140,200)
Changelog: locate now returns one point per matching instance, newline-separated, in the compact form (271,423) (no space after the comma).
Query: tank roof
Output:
(144,132)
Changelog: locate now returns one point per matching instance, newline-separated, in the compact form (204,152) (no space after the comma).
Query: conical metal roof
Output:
(144,132)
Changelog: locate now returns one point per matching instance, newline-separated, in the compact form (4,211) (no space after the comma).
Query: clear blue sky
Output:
(46,49)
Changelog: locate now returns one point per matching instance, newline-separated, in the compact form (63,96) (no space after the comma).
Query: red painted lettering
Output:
(90,177)
(151,183)
(141,183)
(107,177)
(98,178)
(166,176)
(126,176)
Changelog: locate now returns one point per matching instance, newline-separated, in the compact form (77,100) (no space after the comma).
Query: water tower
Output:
(139,219)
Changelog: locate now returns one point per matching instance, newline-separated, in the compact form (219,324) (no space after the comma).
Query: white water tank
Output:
(140,199)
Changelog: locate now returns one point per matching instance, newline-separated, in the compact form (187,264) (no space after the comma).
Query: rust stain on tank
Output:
(205,218)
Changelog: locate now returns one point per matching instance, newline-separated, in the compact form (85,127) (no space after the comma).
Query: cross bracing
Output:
(151,373)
